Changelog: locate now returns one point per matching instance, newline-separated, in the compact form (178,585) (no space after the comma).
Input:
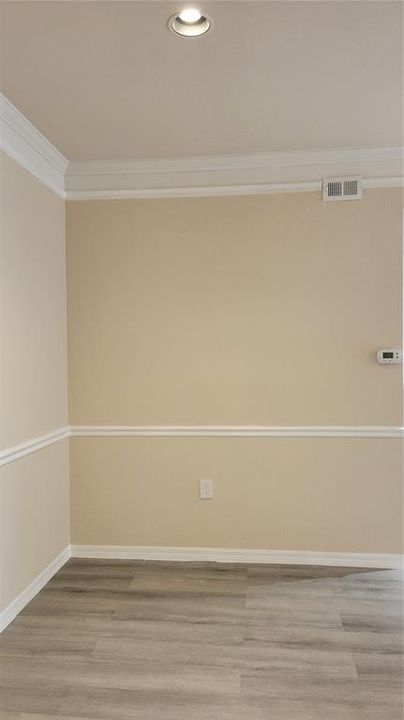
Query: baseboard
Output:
(195,554)
(15,607)
(275,557)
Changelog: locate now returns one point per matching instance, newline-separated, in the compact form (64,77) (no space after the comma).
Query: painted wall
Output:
(34,491)
(331,495)
(262,310)
(247,310)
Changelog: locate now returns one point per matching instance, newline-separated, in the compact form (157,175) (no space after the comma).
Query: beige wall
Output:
(33,376)
(341,495)
(248,310)
(262,310)
(34,517)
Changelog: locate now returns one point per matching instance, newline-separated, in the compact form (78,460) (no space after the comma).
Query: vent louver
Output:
(349,188)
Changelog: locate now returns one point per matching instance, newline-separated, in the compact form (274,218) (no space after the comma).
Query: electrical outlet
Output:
(205,489)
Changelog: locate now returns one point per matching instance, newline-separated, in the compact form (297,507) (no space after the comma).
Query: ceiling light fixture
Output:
(189,23)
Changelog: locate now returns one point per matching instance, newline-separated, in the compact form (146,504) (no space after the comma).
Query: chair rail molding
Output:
(30,446)
(242,431)
(16,452)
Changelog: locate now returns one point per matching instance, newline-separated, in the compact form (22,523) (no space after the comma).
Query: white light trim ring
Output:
(189,23)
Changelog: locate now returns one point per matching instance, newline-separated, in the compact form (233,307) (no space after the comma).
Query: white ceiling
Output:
(108,81)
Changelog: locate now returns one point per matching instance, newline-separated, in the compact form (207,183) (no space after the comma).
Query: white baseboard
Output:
(275,557)
(15,607)
(195,554)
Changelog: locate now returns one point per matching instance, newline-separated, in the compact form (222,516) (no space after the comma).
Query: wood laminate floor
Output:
(118,640)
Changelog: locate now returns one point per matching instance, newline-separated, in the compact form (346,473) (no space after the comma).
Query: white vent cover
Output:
(345,188)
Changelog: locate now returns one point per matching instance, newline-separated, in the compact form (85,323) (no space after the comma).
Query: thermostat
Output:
(389,357)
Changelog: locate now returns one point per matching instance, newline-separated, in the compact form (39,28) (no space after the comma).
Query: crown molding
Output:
(30,149)
(382,182)
(216,175)
(189,192)
(258,173)
(252,161)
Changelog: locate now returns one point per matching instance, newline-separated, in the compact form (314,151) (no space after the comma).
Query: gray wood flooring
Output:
(116,640)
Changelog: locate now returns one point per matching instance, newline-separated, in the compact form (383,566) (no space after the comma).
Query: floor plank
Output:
(129,640)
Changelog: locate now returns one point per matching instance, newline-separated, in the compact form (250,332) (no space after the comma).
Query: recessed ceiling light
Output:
(190,15)
(189,23)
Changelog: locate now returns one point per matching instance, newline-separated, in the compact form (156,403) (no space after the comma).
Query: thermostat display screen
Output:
(389,356)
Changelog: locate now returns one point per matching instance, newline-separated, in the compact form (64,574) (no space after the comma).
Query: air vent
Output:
(349,188)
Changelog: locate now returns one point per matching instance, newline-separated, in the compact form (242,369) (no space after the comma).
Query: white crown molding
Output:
(240,555)
(382,182)
(30,149)
(30,446)
(238,162)
(15,607)
(259,173)
(254,431)
(189,192)
(216,175)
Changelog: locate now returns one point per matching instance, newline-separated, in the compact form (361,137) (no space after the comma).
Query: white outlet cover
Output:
(205,489)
